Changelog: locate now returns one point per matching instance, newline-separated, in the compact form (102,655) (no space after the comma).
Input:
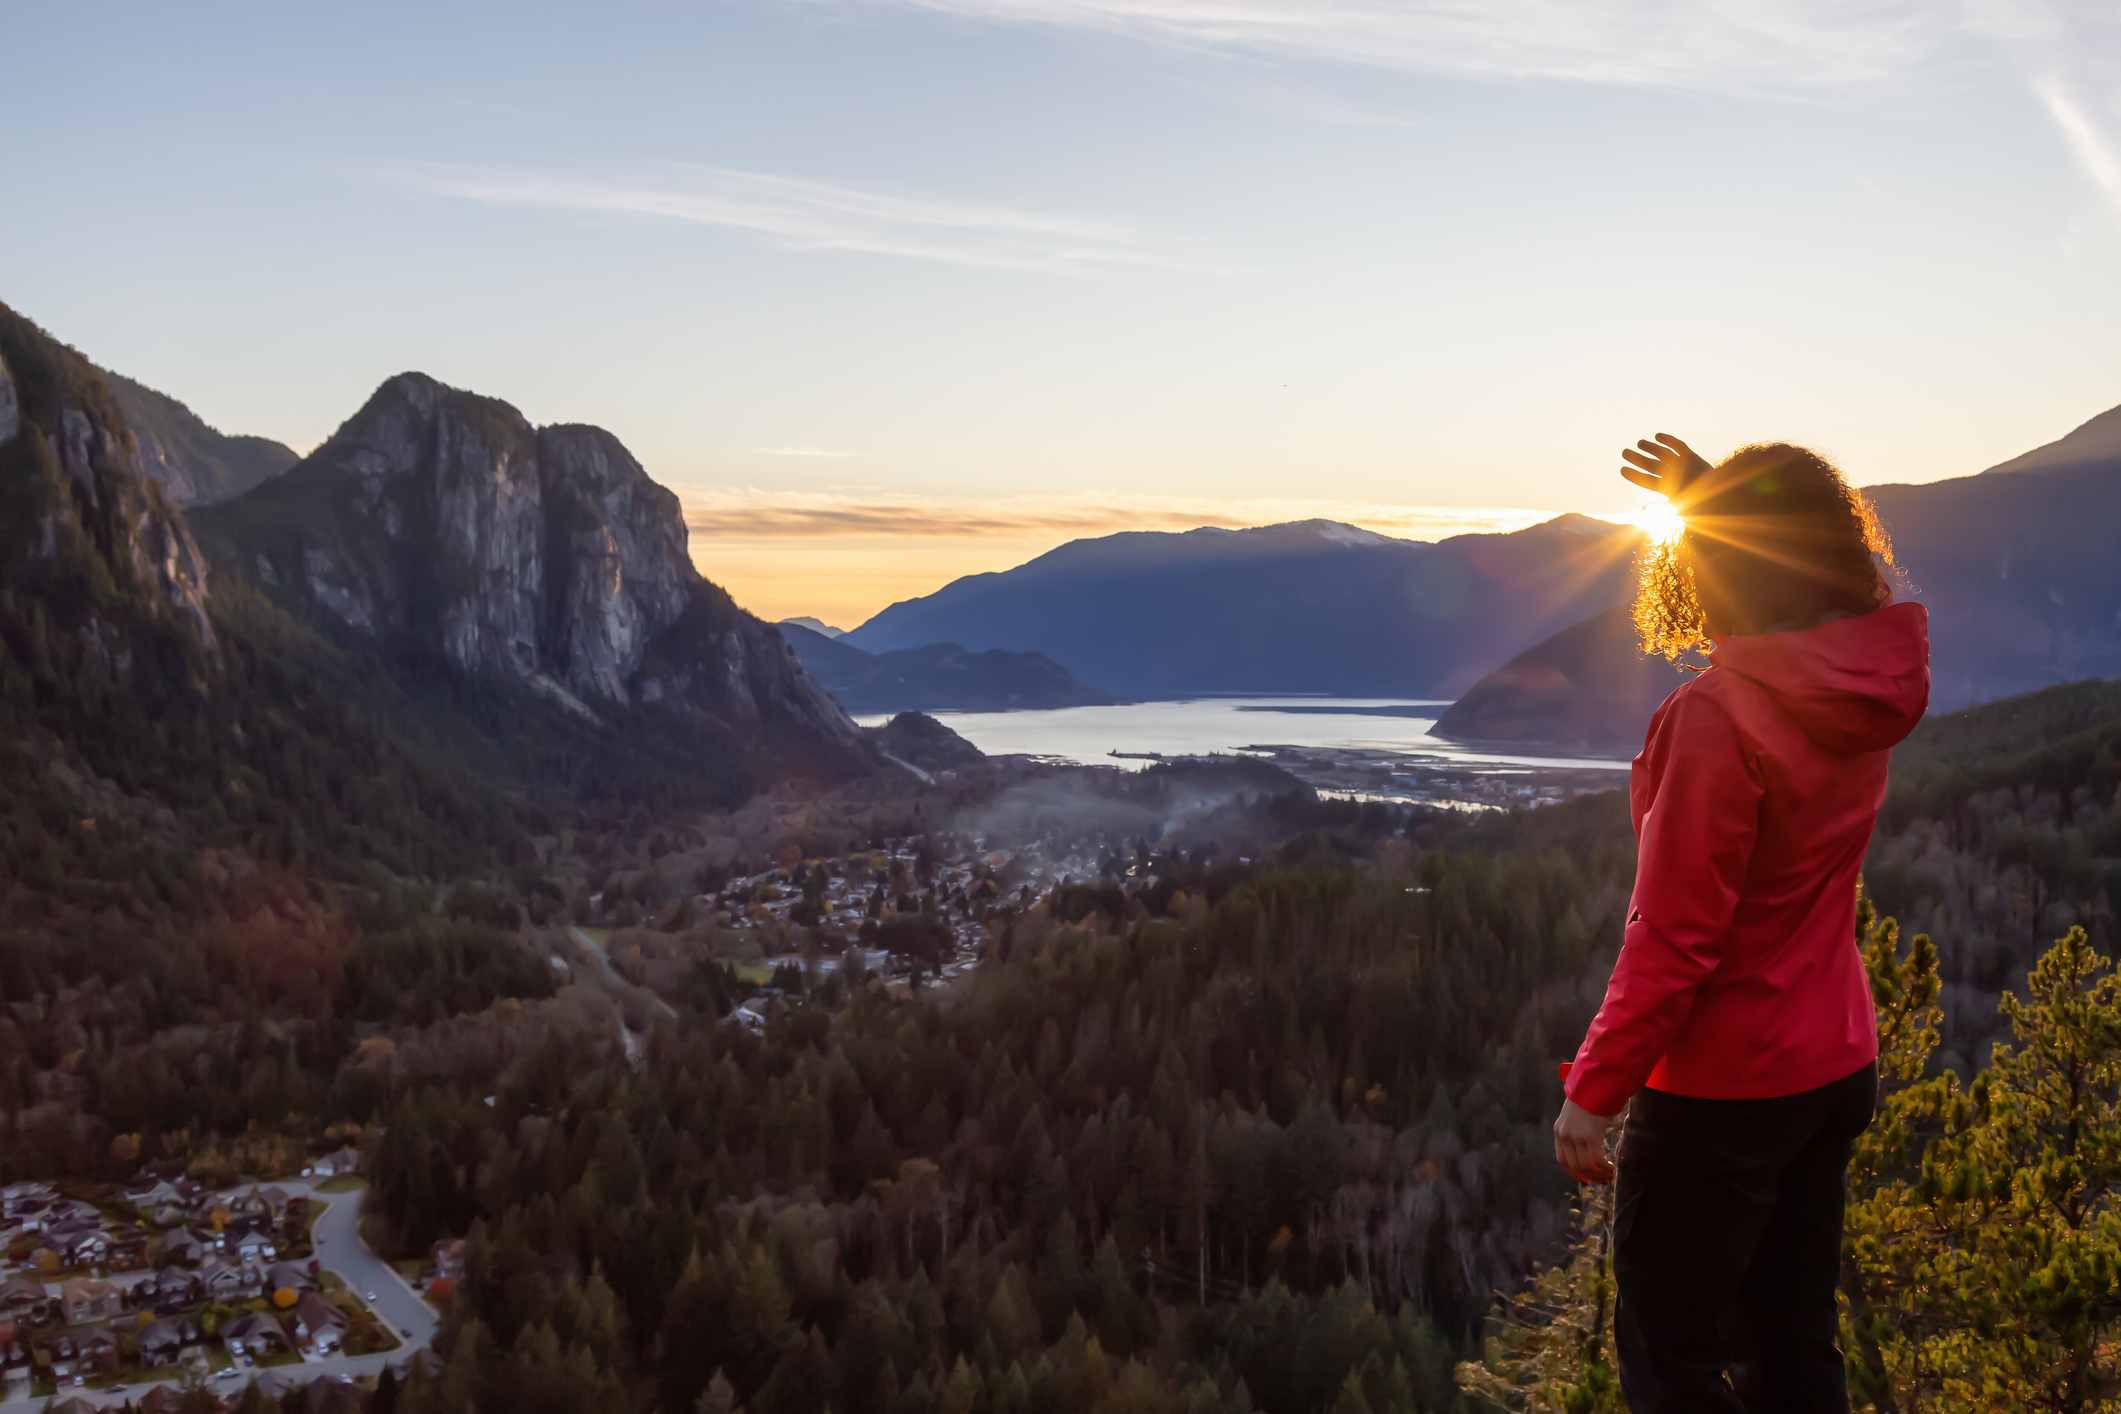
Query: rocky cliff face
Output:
(93,542)
(444,524)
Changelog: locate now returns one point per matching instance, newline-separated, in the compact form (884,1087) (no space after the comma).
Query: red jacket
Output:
(1754,800)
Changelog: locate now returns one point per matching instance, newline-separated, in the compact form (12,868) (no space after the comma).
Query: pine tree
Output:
(1550,1347)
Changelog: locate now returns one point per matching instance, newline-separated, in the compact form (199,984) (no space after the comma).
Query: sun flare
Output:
(1659,521)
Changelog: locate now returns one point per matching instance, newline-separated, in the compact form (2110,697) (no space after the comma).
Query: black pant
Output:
(1726,1244)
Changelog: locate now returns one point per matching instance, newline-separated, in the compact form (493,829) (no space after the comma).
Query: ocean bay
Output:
(1140,732)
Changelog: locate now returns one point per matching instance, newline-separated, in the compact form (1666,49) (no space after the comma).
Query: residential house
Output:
(337,1162)
(265,1204)
(289,1276)
(161,1342)
(74,1404)
(162,1399)
(78,1244)
(14,1384)
(63,1354)
(171,1289)
(152,1194)
(166,1171)
(128,1249)
(254,1247)
(319,1326)
(224,1281)
(18,1198)
(99,1353)
(255,1335)
(186,1246)
(87,1299)
(176,1202)
(448,1256)
(27,1301)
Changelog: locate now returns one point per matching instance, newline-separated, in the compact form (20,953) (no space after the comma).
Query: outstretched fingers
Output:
(1647,480)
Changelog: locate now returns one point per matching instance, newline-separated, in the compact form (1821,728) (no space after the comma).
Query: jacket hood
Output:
(1854,685)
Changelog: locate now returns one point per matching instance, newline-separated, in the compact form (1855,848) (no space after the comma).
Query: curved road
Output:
(336,1236)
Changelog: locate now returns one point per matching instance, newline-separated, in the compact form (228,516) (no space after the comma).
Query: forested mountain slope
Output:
(1275,1139)
(2001,829)
(1589,687)
(194,463)
(937,677)
(221,811)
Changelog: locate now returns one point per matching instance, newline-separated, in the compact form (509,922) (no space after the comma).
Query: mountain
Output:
(1313,606)
(937,677)
(1589,687)
(445,528)
(815,626)
(919,740)
(103,579)
(2020,566)
(2096,443)
(194,464)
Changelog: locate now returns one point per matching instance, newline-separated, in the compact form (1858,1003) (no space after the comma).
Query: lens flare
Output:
(1659,521)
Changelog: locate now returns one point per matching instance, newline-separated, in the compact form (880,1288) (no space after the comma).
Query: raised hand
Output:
(1667,466)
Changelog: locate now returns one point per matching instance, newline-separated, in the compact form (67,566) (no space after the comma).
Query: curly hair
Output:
(1774,533)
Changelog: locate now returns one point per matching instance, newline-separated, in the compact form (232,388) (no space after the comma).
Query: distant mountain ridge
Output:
(2095,442)
(1311,606)
(2020,566)
(940,677)
(195,464)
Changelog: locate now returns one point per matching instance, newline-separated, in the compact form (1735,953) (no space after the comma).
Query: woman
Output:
(1738,1019)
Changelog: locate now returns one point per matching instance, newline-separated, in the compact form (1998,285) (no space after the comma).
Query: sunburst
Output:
(1659,521)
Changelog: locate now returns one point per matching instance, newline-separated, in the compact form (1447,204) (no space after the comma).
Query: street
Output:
(336,1236)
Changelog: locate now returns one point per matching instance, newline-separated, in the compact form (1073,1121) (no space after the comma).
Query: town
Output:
(141,1290)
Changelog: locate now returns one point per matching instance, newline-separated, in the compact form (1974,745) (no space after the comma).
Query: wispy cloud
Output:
(2067,51)
(1780,47)
(2092,142)
(2072,56)
(751,513)
(799,213)
(803,452)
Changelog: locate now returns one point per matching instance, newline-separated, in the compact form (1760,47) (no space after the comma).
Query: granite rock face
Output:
(86,529)
(10,407)
(444,524)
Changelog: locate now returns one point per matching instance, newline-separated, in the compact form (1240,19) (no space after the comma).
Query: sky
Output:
(891,291)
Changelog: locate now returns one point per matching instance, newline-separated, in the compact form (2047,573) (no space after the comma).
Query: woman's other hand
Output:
(1579,1143)
(1667,466)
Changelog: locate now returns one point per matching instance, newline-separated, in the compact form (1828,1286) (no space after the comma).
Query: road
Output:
(634,1046)
(925,778)
(336,1235)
